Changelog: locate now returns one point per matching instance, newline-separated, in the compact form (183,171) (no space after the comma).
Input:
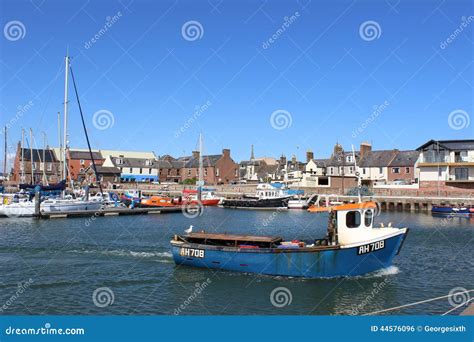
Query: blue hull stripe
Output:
(308,264)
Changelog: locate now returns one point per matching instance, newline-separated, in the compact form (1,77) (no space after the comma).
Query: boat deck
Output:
(234,237)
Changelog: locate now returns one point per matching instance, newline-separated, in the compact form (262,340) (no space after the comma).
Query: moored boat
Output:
(208,197)
(157,201)
(352,246)
(267,196)
(450,210)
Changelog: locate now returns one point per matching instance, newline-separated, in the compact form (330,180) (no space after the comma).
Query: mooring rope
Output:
(421,302)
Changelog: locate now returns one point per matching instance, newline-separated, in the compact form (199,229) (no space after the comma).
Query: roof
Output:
(49,155)
(377,158)
(84,155)
(233,237)
(449,144)
(209,160)
(105,169)
(336,160)
(405,158)
(134,162)
(321,162)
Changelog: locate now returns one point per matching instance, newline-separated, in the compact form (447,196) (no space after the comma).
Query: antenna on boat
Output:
(357,173)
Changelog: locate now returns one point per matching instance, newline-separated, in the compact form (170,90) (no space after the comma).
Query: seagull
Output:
(189,230)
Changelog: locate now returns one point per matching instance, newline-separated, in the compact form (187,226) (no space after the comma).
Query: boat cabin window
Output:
(369,216)
(353,219)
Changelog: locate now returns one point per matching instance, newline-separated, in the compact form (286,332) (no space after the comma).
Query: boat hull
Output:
(305,262)
(452,210)
(63,207)
(267,203)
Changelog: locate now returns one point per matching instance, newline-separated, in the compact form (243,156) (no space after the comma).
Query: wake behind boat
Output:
(351,247)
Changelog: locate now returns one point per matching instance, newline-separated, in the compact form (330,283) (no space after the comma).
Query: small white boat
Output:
(62,205)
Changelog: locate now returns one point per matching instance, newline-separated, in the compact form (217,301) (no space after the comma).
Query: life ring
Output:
(114,197)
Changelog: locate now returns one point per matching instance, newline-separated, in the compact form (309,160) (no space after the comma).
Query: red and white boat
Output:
(208,198)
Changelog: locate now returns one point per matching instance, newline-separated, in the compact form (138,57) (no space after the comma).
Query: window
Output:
(131,170)
(141,170)
(81,161)
(205,172)
(363,171)
(349,159)
(217,172)
(395,170)
(119,161)
(461,173)
(380,170)
(407,170)
(189,173)
(353,219)
(236,173)
(369,215)
(148,162)
(49,167)
(149,171)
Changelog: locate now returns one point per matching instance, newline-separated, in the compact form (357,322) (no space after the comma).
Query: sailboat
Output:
(26,207)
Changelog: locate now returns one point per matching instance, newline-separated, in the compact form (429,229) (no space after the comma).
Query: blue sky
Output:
(397,83)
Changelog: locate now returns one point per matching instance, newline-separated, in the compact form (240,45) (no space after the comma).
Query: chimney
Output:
(293,159)
(282,160)
(309,156)
(338,150)
(226,152)
(252,156)
(365,147)
(196,154)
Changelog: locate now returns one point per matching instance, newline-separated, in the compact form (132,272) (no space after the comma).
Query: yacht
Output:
(267,196)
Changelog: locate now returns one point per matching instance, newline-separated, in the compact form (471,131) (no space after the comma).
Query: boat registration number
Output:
(371,247)
(192,252)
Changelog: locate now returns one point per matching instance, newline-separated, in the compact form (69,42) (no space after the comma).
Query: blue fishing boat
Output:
(449,210)
(351,247)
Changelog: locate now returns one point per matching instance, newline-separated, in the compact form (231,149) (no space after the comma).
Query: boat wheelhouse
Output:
(352,246)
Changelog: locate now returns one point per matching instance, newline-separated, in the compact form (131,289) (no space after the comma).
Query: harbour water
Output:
(58,264)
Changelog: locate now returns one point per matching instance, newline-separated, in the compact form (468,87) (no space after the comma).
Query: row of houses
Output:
(443,165)
(45,165)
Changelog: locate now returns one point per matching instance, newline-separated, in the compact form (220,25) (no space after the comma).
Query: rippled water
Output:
(61,262)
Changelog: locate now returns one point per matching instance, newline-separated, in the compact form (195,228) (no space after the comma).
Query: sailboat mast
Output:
(45,179)
(22,156)
(31,156)
(201,176)
(5,156)
(60,147)
(66,73)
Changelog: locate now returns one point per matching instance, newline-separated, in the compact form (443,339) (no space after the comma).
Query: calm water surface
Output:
(68,259)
